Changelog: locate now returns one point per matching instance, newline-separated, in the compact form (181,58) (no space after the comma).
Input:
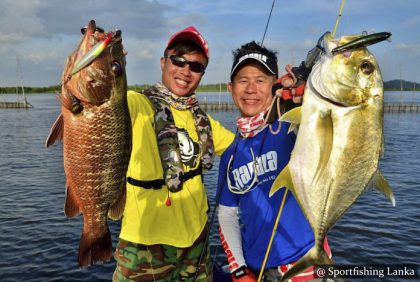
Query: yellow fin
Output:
(380,183)
(284,179)
(293,116)
(325,135)
(292,127)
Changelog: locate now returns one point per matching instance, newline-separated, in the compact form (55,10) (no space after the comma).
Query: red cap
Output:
(191,33)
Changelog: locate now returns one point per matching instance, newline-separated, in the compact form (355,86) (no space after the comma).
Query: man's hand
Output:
(302,72)
(243,274)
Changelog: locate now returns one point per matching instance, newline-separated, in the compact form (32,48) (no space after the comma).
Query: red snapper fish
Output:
(95,128)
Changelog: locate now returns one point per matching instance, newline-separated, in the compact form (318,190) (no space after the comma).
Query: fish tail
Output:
(92,250)
(315,256)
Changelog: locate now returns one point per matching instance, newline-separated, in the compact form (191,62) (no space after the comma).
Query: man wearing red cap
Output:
(164,226)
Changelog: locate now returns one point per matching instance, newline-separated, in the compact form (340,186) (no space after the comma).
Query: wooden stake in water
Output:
(19,76)
(402,89)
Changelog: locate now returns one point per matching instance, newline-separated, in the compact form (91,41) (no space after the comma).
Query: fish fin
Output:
(293,116)
(284,179)
(380,183)
(116,211)
(325,135)
(71,207)
(315,256)
(92,250)
(56,132)
(292,127)
(382,152)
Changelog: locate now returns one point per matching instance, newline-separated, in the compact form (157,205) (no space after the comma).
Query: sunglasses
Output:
(181,62)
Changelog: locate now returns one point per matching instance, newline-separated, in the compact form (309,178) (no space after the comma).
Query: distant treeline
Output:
(397,84)
(391,85)
(29,89)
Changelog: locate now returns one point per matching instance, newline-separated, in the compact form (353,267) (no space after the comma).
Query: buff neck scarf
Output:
(166,133)
(251,126)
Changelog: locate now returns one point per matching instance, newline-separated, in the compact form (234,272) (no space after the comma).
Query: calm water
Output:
(394,97)
(39,243)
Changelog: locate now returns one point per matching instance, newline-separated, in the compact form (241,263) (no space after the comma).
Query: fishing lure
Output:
(92,54)
(362,41)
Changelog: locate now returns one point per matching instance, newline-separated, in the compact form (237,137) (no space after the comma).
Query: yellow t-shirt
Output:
(147,219)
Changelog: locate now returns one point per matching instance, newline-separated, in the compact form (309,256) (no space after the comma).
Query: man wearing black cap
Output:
(247,170)
(164,226)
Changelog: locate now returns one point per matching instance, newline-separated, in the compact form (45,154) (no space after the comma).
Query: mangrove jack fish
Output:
(95,127)
(339,143)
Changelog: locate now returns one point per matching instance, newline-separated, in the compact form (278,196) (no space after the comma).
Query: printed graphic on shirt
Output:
(265,163)
(188,148)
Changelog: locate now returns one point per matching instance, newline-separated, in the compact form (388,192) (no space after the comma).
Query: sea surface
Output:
(392,97)
(38,243)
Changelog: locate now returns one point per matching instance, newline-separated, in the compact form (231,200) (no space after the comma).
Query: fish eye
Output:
(97,29)
(366,67)
(116,68)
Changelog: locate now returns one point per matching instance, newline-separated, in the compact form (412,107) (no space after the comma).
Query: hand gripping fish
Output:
(339,143)
(95,127)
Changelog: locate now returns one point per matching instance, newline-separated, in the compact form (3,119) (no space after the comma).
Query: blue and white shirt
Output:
(257,211)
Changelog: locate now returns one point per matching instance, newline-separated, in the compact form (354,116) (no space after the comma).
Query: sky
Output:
(42,33)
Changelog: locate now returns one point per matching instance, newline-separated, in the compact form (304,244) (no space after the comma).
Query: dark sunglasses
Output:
(181,62)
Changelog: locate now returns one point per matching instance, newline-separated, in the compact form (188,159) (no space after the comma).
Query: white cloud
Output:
(412,50)
(42,56)
(18,20)
(44,32)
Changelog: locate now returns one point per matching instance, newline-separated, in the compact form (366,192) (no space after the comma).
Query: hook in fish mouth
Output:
(362,41)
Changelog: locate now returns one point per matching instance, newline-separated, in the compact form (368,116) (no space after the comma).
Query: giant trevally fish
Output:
(95,127)
(340,139)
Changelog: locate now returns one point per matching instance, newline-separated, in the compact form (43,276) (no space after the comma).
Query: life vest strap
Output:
(158,183)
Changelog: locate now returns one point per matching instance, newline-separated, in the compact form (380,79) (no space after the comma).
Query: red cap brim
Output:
(190,33)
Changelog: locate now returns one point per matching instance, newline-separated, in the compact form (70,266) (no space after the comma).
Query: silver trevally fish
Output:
(339,143)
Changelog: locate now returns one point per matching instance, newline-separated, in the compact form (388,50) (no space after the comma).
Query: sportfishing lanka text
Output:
(407,271)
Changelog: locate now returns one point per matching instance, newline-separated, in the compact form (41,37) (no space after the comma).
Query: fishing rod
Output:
(211,222)
(270,243)
(268,21)
(338,17)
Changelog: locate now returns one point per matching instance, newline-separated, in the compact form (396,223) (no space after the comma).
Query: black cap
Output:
(267,62)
